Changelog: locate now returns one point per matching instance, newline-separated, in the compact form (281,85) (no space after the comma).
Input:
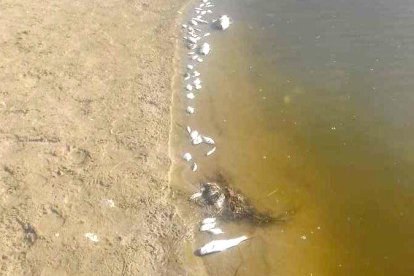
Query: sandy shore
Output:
(85,116)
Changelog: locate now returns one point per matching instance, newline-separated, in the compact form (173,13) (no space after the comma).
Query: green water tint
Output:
(312,106)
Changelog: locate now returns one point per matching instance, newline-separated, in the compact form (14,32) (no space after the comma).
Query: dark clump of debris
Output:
(220,199)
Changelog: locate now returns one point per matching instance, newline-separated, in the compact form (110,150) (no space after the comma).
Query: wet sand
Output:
(85,119)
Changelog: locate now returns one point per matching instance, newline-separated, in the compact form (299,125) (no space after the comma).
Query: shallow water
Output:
(311,104)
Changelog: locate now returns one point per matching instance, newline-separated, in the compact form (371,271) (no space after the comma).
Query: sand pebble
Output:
(92,237)
(109,202)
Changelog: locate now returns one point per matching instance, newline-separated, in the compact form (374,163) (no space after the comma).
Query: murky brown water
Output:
(312,106)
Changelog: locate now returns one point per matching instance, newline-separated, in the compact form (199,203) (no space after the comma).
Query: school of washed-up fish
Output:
(196,32)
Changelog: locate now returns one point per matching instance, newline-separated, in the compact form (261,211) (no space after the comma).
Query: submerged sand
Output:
(85,117)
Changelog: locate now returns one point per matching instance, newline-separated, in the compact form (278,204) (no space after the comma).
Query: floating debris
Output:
(224,201)
(190,109)
(207,226)
(187,156)
(219,245)
(92,237)
(210,152)
(204,49)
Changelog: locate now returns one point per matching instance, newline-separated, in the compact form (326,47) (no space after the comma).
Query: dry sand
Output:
(85,115)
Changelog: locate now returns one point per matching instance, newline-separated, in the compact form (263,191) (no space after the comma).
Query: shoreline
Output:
(87,166)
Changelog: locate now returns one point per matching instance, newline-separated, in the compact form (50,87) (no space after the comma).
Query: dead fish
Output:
(187,156)
(206,34)
(208,220)
(196,195)
(195,57)
(200,59)
(204,49)
(190,67)
(198,140)
(201,20)
(190,96)
(187,76)
(188,129)
(203,12)
(210,152)
(209,11)
(190,109)
(208,140)
(193,22)
(198,86)
(192,40)
(207,226)
(215,231)
(220,245)
(197,81)
(191,46)
(220,202)
(189,87)
(196,74)
(194,134)
(194,167)
(184,26)
(224,22)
